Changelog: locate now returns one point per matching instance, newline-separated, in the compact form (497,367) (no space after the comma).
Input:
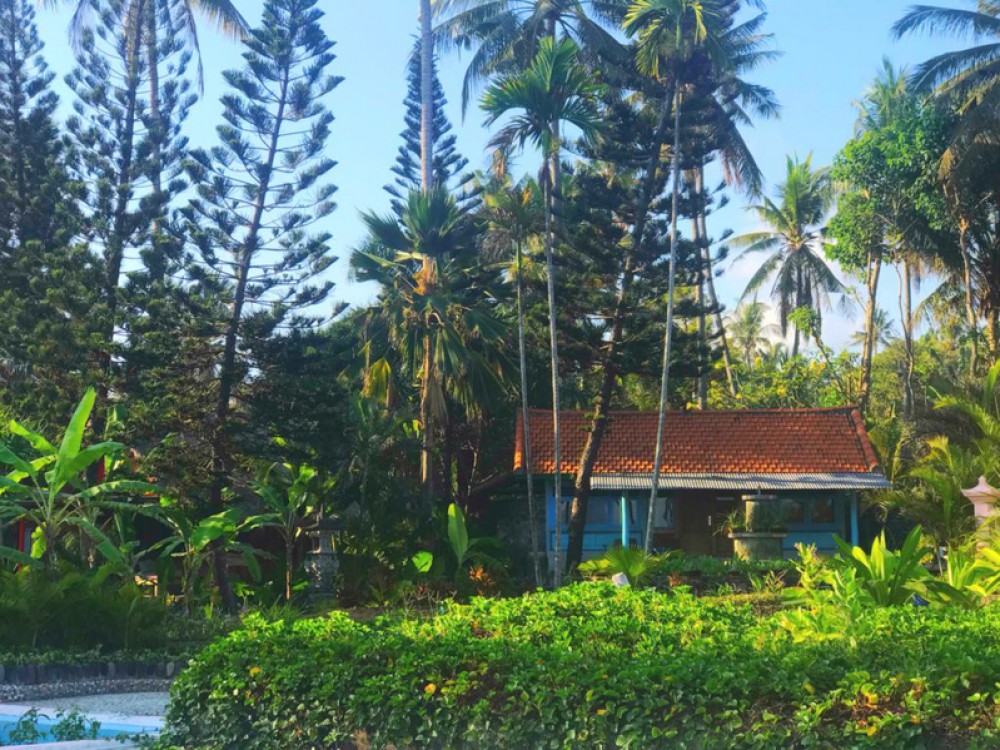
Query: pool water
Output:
(45,722)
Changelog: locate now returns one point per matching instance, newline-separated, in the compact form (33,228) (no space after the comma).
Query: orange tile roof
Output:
(793,441)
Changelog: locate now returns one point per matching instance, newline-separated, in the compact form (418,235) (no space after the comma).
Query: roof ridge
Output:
(846,409)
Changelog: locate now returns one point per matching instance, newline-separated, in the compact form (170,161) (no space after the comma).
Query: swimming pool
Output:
(108,727)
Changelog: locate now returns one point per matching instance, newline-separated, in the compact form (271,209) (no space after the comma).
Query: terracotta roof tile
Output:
(794,441)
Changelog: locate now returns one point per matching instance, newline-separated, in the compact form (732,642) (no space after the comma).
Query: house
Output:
(812,462)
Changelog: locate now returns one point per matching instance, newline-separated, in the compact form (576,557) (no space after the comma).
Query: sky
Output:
(831,51)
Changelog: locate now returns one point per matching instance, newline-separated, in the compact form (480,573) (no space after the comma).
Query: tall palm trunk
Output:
(550,271)
(703,343)
(114,254)
(599,423)
(536,552)
(675,176)
(426,97)
(970,307)
(873,272)
(713,298)
(906,313)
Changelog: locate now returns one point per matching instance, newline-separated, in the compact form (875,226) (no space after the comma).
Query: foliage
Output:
(560,669)
(634,562)
(48,491)
(42,609)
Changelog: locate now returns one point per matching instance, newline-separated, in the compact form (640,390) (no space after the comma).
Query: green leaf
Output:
(458,535)
(423,561)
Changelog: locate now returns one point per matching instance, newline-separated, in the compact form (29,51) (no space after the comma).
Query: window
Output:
(600,511)
(795,511)
(823,510)
(665,518)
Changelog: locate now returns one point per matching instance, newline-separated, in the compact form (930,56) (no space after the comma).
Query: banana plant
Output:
(50,491)
(193,542)
(292,494)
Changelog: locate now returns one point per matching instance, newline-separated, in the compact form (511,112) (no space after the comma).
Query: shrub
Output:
(592,666)
(39,609)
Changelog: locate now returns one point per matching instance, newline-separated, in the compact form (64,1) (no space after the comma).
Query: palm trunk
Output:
(426,97)
(713,298)
(550,270)
(906,312)
(427,419)
(595,438)
(537,554)
(874,271)
(702,321)
(970,307)
(289,563)
(115,251)
(675,172)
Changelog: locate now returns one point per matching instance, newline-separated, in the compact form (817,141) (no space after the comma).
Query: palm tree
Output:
(514,215)
(879,332)
(669,33)
(970,80)
(750,330)
(142,26)
(794,236)
(554,90)
(432,310)
(506,34)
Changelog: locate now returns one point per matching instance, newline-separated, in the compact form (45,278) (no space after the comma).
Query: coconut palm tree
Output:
(793,234)
(431,310)
(505,34)
(552,92)
(513,214)
(750,331)
(882,331)
(669,33)
(969,79)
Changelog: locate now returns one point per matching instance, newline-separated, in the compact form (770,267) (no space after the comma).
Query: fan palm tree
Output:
(553,91)
(794,237)
(432,310)
(513,215)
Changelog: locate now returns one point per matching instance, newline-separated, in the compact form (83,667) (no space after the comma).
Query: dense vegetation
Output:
(185,410)
(593,666)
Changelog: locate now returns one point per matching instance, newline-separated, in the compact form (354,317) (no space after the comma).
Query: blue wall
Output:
(604,529)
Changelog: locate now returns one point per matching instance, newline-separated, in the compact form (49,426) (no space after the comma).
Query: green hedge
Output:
(595,667)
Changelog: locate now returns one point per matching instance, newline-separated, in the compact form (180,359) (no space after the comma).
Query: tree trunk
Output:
(906,312)
(713,298)
(156,128)
(537,553)
(427,418)
(873,272)
(426,97)
(550,271)
(970,307)
(114,252)
(227,368)
(675,172)
(595,438)
(289,564)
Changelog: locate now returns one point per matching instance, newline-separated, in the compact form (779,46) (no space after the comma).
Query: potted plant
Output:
(758,532)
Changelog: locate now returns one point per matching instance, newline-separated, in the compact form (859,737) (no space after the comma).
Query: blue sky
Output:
(832,50)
